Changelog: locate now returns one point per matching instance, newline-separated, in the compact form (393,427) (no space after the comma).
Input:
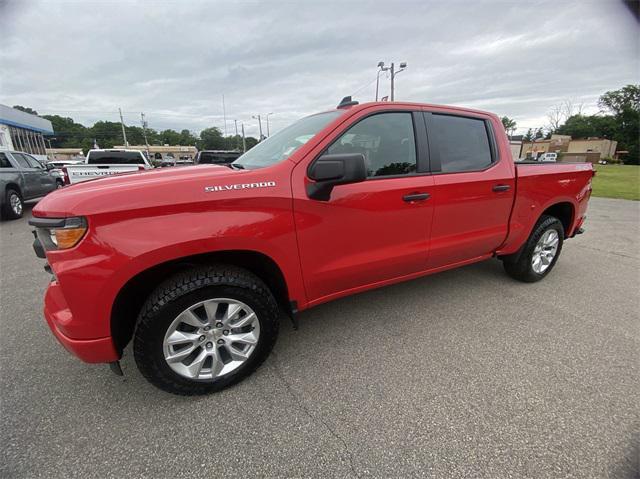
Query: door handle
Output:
(498,188)
(416,197)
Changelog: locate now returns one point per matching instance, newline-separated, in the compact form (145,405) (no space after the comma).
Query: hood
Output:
(144,189)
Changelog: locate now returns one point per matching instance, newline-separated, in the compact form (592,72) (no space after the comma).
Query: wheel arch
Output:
(131,297)
(565,212)
(13,186)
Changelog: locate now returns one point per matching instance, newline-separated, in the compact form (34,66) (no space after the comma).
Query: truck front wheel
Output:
(205,329)
(539,255)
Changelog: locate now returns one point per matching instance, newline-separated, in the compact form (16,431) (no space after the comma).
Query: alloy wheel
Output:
(211,338)
(545,251)
(16,204)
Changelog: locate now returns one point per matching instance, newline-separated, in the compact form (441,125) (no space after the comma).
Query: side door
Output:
(30,176)
(46,182)
(373,231)
(473,188)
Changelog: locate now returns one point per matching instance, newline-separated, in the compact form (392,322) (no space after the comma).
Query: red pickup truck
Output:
(195,265)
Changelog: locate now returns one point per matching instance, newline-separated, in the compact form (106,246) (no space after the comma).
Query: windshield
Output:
(282,145)
(115,157)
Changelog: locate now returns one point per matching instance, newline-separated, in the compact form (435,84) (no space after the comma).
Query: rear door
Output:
(368,232)
(30,174)
(46,182)
(473,188)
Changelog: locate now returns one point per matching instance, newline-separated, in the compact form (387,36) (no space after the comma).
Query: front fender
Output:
(117,249)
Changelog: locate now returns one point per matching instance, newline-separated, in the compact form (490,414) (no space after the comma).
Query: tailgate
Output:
(78,173)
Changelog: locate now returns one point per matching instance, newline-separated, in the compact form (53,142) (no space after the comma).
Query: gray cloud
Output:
(174,60)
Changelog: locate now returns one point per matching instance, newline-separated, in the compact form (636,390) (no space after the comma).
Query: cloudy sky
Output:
(174,60)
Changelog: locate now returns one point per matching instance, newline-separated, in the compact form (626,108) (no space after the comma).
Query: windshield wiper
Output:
(234,167)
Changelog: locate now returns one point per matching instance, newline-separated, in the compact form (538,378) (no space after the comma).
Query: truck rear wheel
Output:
(539,254)
(13,205)
(205,329)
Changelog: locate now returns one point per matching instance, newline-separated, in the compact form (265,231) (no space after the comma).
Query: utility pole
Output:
(244,143)
(380,66)
(124,133)
(144,132)
(237,139)
(259,125)
(393,72)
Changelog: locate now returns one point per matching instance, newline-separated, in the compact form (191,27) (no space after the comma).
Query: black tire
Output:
(59,184)
(519,265)
(184,290)
(7,210)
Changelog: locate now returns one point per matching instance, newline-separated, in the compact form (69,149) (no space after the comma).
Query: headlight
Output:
(58,234)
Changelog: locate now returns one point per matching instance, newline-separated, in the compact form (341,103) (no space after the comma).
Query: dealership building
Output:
(24,132)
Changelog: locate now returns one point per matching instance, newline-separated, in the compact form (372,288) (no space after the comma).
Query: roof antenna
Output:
(347,101)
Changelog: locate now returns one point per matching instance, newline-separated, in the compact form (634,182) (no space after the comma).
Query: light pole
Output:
(259,124)
(380,67)
(392,70)
(267,117)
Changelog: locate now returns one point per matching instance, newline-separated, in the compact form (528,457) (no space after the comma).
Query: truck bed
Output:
(538,185)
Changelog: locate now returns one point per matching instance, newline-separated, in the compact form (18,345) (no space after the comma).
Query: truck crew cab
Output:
(194,265)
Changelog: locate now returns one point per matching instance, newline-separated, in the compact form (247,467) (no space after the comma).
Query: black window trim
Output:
(419,137)
(434,152)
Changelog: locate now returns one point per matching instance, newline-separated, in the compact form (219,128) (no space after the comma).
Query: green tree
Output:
(25,109)
(211,139)
(529,135)
(619,101)
(67,133)
(625,106)
(509,125)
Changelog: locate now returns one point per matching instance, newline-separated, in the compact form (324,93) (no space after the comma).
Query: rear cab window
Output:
(115,158)
(460,143)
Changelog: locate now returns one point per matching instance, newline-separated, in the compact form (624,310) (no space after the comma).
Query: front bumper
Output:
(58,316)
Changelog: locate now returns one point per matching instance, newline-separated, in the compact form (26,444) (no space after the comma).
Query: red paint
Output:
(364,237)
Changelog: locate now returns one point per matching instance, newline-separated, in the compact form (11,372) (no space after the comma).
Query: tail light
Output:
(65,175)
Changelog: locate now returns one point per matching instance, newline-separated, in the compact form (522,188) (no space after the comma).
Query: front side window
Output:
(33,162)
(283,144)
(22,160)
(386,140)
(463,143)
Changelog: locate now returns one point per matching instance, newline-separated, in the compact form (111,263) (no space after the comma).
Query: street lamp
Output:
(267,117)
(393,72)
(380,68)
(257,117)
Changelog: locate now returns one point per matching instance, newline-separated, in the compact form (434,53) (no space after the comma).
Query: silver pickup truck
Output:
(101,163)
(22,178)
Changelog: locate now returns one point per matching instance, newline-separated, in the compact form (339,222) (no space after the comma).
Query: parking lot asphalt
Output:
(462,374)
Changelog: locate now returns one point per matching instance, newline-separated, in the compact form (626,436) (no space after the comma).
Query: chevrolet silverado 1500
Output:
(195,264)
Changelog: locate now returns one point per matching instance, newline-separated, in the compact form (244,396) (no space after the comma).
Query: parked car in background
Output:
(216,157)
(182,161)
(194,265)
(548,157)
(100,163)
(56,169)
(22,178)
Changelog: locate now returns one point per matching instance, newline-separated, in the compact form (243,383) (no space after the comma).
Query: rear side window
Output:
(386,140)
(463,143)
(4,161)
(115,158)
